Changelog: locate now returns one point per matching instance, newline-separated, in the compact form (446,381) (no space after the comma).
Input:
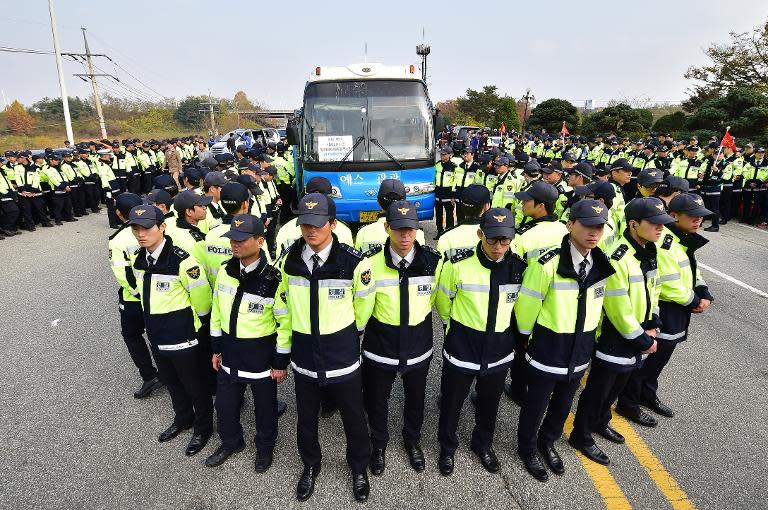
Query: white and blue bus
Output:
(359,125)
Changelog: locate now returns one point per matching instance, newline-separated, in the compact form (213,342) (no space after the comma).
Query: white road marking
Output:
(733,280)
(55,322)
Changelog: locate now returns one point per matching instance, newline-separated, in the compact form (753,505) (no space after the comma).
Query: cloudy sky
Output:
(573,50)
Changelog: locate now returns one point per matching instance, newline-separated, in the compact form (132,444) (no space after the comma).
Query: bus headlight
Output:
(419,188)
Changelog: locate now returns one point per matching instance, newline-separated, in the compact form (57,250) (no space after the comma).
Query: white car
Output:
(269,135)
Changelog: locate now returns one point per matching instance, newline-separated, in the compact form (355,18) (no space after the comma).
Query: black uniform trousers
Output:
(735,203)
(146,179)
(593,412)
(61,206)
(229,399)
(443,205)
(518,370)
(132,329)
(712,202)
(92,194)
(754,204)
(644,383)
(135,181)
(348,397)
(545,395)
(181,372)
(726,200)
(77,195)
(33,211)
(111,208)
(9,213)
(377,388)
(454,388)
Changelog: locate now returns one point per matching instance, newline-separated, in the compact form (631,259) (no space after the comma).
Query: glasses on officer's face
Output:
(502,241)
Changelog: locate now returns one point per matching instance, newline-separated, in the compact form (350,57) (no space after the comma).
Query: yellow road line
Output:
(602,479)
(660,476)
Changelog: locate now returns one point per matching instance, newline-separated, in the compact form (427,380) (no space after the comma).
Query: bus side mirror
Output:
(293,135)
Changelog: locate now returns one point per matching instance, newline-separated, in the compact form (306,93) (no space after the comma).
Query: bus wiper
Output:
(385,151)
(344,159)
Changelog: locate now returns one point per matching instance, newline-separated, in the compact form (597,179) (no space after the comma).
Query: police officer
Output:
(621,174)
(398,337)
(329,292)
(682,291)
(476,295)
(444,199)
(122,248)
(465,176)
(31,200)
(553,174)
(212,184)
(690,168)
(503,194)
(559,307)
(61,200)
(754,191)
(76,182)
(373,235)
(110,184)
(176,301)
(629,327)
(190,209)
(244,336)
(648,180)
(9,211)
(234,200)
(476,199)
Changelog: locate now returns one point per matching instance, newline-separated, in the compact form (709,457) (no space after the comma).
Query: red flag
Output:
(728,140)
(502,129)
(564,131)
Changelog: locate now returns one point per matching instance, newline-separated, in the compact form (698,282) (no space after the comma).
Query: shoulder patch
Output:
(667,244)
(463,254)
(524,228)
(549,256)
(365,277)
(194,272)
(347,248)
(197,236)
(431,250)
(373,251)
(619,252)
(273,273)
(179,252)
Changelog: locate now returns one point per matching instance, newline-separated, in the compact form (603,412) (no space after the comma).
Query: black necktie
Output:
(403,264)
(315,262)
(583,270)
(150,261)
(243,274)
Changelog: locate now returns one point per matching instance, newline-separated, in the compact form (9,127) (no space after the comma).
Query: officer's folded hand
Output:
(216,361)
(652,348)
(279,375)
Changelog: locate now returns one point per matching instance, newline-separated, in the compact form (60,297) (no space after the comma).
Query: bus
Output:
(359,125)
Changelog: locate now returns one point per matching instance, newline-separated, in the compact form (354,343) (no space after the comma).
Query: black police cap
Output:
(589,212)
(402,214)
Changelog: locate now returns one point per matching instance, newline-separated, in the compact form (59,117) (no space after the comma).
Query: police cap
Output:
(319,185)
(402,214)
(649,177)
(475,194)
(243,227)
(498,222)
(158,196)
(392,187)
(690,204)
(146,216)
(187,199)
(127,201)
(233,193)
(589,212)
(316,209)
(539,191)
(648,208)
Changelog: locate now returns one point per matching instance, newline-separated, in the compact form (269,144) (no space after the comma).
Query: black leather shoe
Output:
(147,388)
(306,485)
(221,454)
(263,461)
(513,395)
(171,432)
(57,223)
(197,443)
(281,407)
(712,229)
(592,452)
(640,417)
(552,458)
(611,435)
(416,457)
(360,487)
(377,463)
(535,466)
(658,407)
(445,463)
(488,459)
(724,222)
(48,225)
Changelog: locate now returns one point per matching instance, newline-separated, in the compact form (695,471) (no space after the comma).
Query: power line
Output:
(8,49)
(137,65)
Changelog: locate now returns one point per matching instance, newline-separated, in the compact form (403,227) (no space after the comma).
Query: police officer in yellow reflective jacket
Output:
(122,247)
(683,291)
(559,307)
(329,292)
(176,301)
(476,199)
(191,209)
(373,235)
(629,327)
(476,296)
(398,338)
(244,341)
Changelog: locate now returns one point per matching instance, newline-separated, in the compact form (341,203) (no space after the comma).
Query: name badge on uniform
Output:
(163,286)
(511,297)
(599,292)
(424,289)
(255,308)
(336,293)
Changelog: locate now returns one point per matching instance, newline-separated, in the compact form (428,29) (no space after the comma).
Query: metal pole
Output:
(60,67)
(210,110)
(96,97)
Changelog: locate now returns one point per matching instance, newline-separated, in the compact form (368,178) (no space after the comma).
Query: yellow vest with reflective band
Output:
(631,299)
(399,334)
(122,248)
(187,237)
(218,249)
(504,190)
(83,169)
(617,211)
(373,236)
(325,312)
(475,300)
(458,238)
(107,176)
(243,322)
(291,232)
(536,237)
(174,295)
(560,312)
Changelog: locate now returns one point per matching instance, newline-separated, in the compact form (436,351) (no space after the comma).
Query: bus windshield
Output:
(393,113)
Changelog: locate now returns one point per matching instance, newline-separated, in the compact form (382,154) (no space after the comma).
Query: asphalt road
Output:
(74,437)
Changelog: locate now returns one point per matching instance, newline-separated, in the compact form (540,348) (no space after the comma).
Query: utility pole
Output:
(528,97)
(209,110)
(96,97)
(423,50)
(60,68)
